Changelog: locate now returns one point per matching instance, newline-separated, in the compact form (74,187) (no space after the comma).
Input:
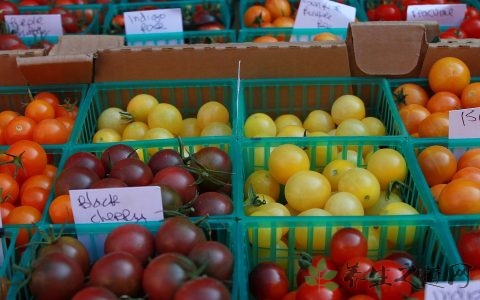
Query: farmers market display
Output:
(237,188)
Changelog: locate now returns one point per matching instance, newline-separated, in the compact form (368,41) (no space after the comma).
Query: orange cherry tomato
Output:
(472,173)
(256,15)
(50,131)
(38,110)
(434,125)
(443,102)
(449,74)
(20,128)
(22,215)
(471,95)
(470,158)
(437,163)
(412,115)
(409,93)
(6,116)
(36,197)
(9,188)
(460,196)
(60,210)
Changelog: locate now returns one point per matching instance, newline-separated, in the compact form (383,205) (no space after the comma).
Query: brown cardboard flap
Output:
(468,50)
(10,75)
(64,69)
(221,61)
(69,62)
(390,49)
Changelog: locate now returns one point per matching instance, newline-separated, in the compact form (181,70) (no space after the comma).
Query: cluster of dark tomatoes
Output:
(197,185)
(177,260)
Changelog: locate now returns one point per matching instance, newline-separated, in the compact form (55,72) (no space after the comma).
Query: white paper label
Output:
(467,290)
(34,25)
(323,14)
(464,123)
(112,205)
(153,21)
(445,14)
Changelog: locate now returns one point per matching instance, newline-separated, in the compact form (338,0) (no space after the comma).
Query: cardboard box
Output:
(404,49)
(10,75)
(71,61)
(257,60)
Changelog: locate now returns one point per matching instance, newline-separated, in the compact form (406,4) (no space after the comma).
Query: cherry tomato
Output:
(437,163)
(268,280)
(471,27)
(31,155)
(39,109)
(387,276)
(412,115)
(408,93)
(471,95)
(50,131)
(353,275)
(19,128)
(60,210)
(313,292)
(347,243)
(460,196)
(256,16)
(435,125)
(23,214)
(388,12)
(9,188)
(449,74)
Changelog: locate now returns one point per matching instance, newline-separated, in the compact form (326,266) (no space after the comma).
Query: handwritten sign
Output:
(444,14)
(129,204)
(323,14)
(464,123)
(34,25)
(153,21)
(453,290)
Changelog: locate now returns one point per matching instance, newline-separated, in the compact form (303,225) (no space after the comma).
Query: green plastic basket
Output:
(88,15)
(289,34)
(245,4)
(92,236)
(219,7)
(301,96)
(460,225)
(457,146)
(186,95)
(9,257)
(146,149)
(186,37)
(256,153)
(15,98)
(422,238)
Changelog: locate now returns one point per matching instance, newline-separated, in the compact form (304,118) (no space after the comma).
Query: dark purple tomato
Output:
(404,258)
(87,160)
(115,153)
(217,257)
(213,168)
(180,180)
(74,178)
(164,275)
(108,182)
(132,171)
(212,203)
(95,293)
(171,200)
(164,158)
(132,238)
(267,280)
(203,288)
(69,246)
(178,234)
(120,272)
(55,276)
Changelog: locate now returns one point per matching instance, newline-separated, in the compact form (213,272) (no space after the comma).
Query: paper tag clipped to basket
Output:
(464,123)
(445,14)
(34,25)
(113,205)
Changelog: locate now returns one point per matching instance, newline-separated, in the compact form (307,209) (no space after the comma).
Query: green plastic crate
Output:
(186,37)
(301,96)
(186,95)
(219,7)
(288,34)
(93,236)
(256,152)
(9,257)
(15,98)
(422,238)
(457,146)
(89,15)
(145,149)
(245,4)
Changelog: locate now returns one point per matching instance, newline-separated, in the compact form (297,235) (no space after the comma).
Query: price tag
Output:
(153,21)
(445,14)
(464,123)
(34,25)
(112,205)
(323,14)
(457,290)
